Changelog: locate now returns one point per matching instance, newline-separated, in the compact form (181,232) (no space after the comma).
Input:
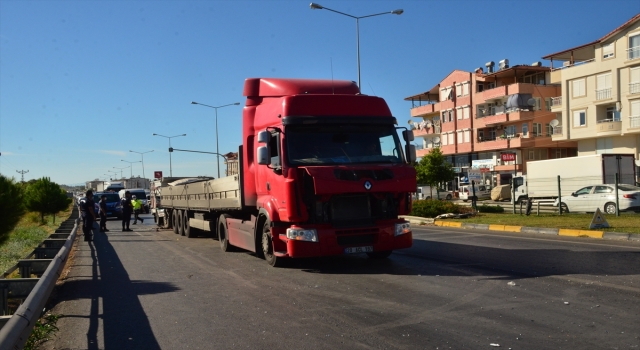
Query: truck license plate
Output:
(354,250)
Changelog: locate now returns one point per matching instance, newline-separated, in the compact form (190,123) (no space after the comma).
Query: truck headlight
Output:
(301,234)
(402,228)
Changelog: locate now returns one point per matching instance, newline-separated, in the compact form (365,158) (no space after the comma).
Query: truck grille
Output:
(350,210)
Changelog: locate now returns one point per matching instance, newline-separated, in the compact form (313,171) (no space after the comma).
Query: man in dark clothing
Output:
(127,209)
(88,216)
(103,213)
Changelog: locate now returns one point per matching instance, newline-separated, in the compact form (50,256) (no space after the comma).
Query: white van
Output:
(482,192)
(425,192)
(140,194)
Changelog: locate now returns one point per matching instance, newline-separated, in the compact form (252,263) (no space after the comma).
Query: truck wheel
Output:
(223,236)
(180,218)
(187,230)
(565,209)
(449,197)
(174,221)
(610,208)
(267,246)
(379,255)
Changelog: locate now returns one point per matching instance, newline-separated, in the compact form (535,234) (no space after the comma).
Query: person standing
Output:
(137,207)
(103,213)
(127,209)
(88,216)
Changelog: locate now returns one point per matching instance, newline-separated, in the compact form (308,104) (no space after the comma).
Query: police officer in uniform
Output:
(88,216)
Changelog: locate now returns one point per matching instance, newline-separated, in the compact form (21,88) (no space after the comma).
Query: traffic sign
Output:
(598,220)
(157,174)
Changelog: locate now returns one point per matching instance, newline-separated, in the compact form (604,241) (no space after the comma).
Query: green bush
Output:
(430,208)
(490,209)
(11,206)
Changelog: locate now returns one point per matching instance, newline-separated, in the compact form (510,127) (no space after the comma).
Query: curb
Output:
(617,236)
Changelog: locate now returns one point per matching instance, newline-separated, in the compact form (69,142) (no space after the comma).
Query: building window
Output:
(578,88)
(450,138)
(634,47)
(465,112)
(536,130)
(548,129)
(465,89)
(444,140)
(634,80)
(634,118)
(547,104)
(480,135)
(603,86)
(446,93)
(459,137)
(467,136)
(480,87)
(532,154)
(604,145)
(525,130)
(459,113)
(579,118)
(491,85)
(607,50)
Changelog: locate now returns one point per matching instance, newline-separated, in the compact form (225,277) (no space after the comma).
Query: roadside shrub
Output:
(430,208)
(11,206)
(490,209)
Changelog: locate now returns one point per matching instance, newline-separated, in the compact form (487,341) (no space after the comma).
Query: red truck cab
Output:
(325,170)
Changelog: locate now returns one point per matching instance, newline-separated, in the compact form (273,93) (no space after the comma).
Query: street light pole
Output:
(217,143)
(142,155)
(122,177)
(315,6)
(131,172)
(169,137)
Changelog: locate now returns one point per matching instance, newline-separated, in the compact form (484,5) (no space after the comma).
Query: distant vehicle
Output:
(482,192)
(114,208)
(140,194)
(114,186)
(590,198)
(541,180)
(426,192)
(500,193)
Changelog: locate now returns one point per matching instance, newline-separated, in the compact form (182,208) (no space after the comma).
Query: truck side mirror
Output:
(407,135)
(410,150)
(264,136)
(263,155)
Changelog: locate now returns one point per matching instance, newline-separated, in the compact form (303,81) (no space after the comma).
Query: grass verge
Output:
(626,222)
(27,235)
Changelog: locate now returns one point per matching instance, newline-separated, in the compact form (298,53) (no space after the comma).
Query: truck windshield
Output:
(342,144)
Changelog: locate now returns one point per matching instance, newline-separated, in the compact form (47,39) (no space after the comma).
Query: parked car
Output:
(114,208)
(590,198)
(482,192)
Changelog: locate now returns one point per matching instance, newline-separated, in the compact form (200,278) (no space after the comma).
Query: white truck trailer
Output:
(541,180)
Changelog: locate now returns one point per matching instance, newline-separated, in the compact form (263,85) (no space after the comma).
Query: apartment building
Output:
(599,103)
(474,117)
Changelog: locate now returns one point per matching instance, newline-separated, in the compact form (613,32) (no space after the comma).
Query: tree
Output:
(434,170)
(46,197)
(11,206)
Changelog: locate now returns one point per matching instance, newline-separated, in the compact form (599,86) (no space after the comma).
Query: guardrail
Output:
(46,261)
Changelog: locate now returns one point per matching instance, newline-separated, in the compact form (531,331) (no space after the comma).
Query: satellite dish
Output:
(436,139)
(428,124)
(531,102)
(554,123)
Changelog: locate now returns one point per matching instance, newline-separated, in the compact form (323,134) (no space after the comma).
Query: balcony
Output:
(608,126)
(423,110)
(634,121)
(634,88)
(491,145)
(557,130)
(423,131)
(520,115)
(603,94)
(556,102)
(633,53)
(495,93)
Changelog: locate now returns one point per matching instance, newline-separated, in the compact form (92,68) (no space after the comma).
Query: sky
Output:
(82,83)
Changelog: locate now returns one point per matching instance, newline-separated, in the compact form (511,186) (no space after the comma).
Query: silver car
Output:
(587,199)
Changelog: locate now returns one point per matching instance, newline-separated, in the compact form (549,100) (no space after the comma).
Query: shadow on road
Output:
(447,259)
(114,298)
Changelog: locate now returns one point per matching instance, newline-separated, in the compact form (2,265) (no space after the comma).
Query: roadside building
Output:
(599,104)
(474,117)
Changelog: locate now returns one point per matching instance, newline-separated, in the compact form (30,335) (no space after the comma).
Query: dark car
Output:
(114,209)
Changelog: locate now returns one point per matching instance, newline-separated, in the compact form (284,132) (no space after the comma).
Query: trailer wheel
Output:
(166,220)
(189,231)
(267,246)
(223,234)
(174,221)
(379,255)
(610,208)
(180,219)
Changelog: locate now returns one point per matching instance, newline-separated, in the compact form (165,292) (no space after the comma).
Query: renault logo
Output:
(367,185)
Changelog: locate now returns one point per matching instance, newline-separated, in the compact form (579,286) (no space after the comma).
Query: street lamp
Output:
(169,137)
(142,155)
(315,6)
(121,170)
(217,143)
(131,163)
(115,173)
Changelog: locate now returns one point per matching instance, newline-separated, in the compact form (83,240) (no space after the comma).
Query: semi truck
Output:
(322,171)
(541,180)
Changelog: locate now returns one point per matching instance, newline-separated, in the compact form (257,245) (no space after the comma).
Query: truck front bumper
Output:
(332,241)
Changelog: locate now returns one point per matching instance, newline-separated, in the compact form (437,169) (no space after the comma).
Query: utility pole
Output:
(22,172)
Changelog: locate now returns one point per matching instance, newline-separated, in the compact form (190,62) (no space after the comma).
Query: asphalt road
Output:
(457,289)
